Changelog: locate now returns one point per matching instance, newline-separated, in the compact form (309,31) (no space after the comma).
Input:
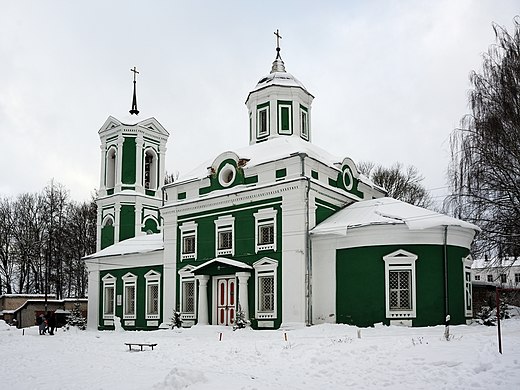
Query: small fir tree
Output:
(240,319)
(176,319)
(76,319)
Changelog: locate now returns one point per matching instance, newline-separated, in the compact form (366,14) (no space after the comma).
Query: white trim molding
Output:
(188,230)
(263,219)
(265,273)
(129,282)
(153,279)
(401,264)
(109,283)
(187,277)
(468,292)
(224,224)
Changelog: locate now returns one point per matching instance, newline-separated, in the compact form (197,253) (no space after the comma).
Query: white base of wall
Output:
(401,322)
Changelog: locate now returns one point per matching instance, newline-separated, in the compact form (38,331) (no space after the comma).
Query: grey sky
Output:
(390,78)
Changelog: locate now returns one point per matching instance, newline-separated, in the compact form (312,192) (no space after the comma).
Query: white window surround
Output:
(151,169)
(110,167)
(259,114)
(109,283)
(265,267)
(400,260)
(265,217)
(468,293)
(222,225)
(188,229)
(304,123)
(289,107)
(129,280)
(108,220)
(153,278)
(227,175)
(186,275)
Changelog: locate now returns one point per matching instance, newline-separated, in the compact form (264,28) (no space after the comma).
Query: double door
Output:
(225,300)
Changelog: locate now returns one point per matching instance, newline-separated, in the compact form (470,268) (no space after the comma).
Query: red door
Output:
(226,288)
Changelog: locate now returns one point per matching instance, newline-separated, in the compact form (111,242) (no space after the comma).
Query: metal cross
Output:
(278,37)
(135,72)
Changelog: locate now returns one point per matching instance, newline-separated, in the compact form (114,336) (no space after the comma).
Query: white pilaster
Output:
(119,165)
(99,221)
(202,315)
(117,208)
(93,296)
(243,298)
(139,163)
(102,186)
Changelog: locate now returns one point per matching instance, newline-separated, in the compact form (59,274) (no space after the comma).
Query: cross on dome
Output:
(134,109)
(278,65)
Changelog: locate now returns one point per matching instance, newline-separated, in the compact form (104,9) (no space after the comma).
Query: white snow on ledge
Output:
(140,244)
(386,211)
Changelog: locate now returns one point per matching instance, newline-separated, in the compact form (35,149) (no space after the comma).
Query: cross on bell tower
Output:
(134,109)
(278,37)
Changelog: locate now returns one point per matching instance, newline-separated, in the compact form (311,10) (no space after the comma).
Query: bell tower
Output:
(133,150)
(279,105)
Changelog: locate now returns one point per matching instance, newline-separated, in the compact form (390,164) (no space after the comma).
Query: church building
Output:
(279,231)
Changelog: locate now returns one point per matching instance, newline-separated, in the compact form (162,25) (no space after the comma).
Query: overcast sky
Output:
(390,78)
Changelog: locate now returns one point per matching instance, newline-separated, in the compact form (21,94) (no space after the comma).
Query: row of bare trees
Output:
(43,237)
(485,165)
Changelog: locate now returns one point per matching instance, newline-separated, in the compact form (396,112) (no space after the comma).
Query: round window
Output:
(348,180)
(227,175)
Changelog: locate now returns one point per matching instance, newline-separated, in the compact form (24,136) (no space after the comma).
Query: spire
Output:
(278,65)
(134,109)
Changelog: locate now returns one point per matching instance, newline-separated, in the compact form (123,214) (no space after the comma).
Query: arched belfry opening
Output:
(110,164)
(150,169)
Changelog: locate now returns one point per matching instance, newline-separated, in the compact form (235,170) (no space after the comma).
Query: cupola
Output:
(279,105)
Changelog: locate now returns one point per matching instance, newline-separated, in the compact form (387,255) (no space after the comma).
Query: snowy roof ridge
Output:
(384,211)
(141,244)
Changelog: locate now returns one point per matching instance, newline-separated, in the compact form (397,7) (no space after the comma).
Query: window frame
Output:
(129,280)
(477,278)
(304,122)
(401,260)
(263,218)
(490,278)
(186,276)
(517,278)
(264,268)
(259,110)
(109,281)
(468,290)
(224,224)
(503,278)
(188,230)
(153,278)
(282,104)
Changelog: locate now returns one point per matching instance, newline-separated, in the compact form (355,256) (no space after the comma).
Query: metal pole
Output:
(497,299)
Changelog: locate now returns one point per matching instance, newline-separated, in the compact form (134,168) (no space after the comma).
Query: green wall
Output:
(360,278)
(126,222)
(107,236)
(244,236)
(129,161)
(140,321)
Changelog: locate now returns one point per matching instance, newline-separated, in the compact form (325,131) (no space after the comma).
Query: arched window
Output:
(150,170)
(110,166)
(107,232)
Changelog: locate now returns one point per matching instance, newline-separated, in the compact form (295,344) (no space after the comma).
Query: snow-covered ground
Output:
(318,357)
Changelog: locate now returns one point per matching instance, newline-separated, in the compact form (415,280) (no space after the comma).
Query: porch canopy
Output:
(220,266)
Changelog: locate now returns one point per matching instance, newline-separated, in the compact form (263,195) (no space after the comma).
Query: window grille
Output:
(400,290)
(266,293)
(153,299)
(225,240)
(130,300)
(109,300)
(188,297)
(189,244)
(266,234)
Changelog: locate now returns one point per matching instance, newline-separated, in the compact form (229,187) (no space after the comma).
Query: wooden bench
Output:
(140,345)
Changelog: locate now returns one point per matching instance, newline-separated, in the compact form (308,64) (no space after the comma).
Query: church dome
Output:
(283,79)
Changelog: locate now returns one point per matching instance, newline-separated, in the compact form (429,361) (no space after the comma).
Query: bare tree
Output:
(484,173)
(401,183)
(6,245)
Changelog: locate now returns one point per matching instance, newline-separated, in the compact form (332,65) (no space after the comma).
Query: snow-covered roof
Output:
(495,263)
(386,211)
(283,79)
(140,244)
(223,260)
(272,150)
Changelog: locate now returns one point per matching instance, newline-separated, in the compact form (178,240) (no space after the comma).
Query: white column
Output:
(93,296)
(139,147)
(99,221)
(138,221)
(117,209)
(102,187)
(119,166)
(202,315)
(242,292)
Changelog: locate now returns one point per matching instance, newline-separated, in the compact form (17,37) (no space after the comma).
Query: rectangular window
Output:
(188,297)
(266,293)
(490,278)
(129,300)
(266,234)
(400,290)
(188,240)
(109,301)
(477,277)
(284,117)
(503,278)
(517,278)
(304,122)
(153,299)
(224,227)
(263,121)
